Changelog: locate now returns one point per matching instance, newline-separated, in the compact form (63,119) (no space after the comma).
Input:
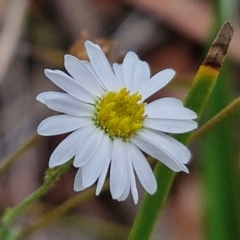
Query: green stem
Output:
(58,211)
(233,106)
(7,162)
(11,214)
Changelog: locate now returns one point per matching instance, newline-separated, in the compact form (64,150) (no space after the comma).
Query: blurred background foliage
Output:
(35,35)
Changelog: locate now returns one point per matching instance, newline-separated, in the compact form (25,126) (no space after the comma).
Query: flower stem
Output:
(11,214)
(7,162)
(58,211)
(233,106)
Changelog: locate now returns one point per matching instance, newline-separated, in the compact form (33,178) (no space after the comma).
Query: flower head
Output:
(111,125)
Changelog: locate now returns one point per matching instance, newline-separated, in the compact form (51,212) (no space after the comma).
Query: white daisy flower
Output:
(111,123)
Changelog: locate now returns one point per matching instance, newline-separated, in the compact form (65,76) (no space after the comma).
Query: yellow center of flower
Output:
(120,114)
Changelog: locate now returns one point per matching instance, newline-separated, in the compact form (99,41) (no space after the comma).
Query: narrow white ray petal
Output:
(79,71)
(131,173)
(102,176)
(118,169)
(117,68)
(77,186)
(130,181)
(142,169)
(133,186)
(181,151)
(128,68)
(65,150)
(60,124)
(170,125)
(104,171)
(156,82)
(169,108)
(101,65)
(126,191)
(65,103)
(69,85)
(119,75)
(141,75)
(89,145)
(89,66)
(92,169)
(169,145)
(169,101)
(156,152)
(41,97)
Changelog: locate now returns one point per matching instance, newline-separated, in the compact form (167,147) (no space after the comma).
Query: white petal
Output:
(41,97)
(155,152)
(89,144)
(104,171)
(65,150)
(169,125)
(102,176)
(77,186)
(141,75)
(101,65)
(133,185)
(118,169)
(89,66)
(142,169)
(130,179)
(160,148)
(118,72)
(65,103)
(126,191)
(131,174)
(69,85)
(92,169)
(79,71)
(60,124)
(128,68)
(156,82)
(168,108)
(168,144)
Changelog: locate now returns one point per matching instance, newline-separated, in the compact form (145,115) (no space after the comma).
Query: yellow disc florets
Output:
(120,114)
